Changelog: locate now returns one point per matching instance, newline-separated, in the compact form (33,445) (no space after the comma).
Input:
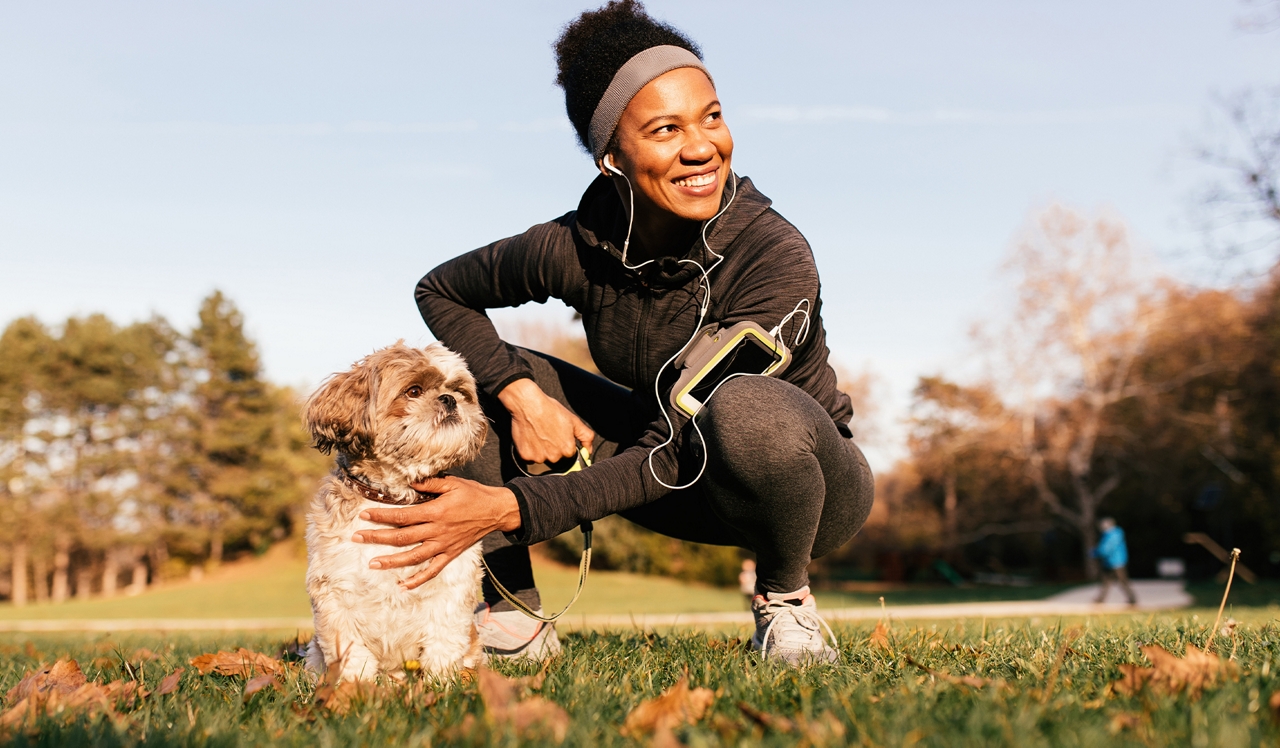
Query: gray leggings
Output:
(781,481)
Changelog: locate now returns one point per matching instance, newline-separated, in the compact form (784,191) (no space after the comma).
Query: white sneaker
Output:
(789,628)
(511,635)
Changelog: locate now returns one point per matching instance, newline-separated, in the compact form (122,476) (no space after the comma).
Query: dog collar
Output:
(373,494)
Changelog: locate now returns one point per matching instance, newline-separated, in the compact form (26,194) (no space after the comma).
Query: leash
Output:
(582,461)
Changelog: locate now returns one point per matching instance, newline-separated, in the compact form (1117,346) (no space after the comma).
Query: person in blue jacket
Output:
(1114,555)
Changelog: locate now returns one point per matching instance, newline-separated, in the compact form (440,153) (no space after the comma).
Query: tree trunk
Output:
(61,568)
(40,578)
(19,593)
(215,547)
(138,578)
(1089,534)
(159,556)
(84,583)
(110,572)
(950,518)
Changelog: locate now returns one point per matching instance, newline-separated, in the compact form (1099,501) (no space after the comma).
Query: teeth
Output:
(698,181)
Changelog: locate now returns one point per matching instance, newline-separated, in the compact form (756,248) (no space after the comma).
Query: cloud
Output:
(820,115)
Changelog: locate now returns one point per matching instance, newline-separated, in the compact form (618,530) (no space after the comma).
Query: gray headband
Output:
(627,82)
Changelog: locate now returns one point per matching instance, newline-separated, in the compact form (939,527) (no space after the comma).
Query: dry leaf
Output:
(170,682)
(256,684)
(822,731)
(534,714)
(62,689)
(242,662)
(1275,706)
(972,681)
(764,719)
(880,637)
(678,705)
(1124,721)
(142,654)
(1170,674)
(63,677)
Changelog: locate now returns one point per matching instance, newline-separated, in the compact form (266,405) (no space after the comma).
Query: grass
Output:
(272,587)
(875,696)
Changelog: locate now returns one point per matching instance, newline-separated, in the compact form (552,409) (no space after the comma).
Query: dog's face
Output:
(414,409)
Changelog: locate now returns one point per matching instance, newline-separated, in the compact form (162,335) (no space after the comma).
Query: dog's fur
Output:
(391,422)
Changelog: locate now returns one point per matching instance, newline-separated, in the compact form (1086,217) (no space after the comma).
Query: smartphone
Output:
(744,349)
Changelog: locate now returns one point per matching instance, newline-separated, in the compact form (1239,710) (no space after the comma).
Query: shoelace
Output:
(801,615)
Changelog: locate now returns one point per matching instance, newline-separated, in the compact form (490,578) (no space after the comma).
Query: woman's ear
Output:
(608,168)
(338,414)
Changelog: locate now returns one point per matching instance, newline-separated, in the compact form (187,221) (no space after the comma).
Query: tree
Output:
(1080,318)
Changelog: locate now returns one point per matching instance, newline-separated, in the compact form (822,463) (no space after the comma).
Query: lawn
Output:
(273,587)
(1025,684)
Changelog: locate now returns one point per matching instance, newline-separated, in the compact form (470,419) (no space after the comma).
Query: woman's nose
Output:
(698,148)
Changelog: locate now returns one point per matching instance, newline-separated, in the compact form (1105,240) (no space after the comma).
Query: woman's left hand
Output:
(443,528)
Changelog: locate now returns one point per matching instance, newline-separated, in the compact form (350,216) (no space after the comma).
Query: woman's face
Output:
(674,146)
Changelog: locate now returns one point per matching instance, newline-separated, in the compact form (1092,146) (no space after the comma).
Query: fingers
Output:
(434,567)
(398,537)
(583,433)
(411,557)
(439,486)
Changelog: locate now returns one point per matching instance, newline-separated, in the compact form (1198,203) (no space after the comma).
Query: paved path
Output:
(1152,595)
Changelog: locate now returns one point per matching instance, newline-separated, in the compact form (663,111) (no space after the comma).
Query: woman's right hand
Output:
(543,430)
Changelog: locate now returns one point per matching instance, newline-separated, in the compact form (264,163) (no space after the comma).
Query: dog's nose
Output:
(449,403)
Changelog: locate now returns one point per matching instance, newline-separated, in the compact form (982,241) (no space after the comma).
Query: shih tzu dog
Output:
(399,415)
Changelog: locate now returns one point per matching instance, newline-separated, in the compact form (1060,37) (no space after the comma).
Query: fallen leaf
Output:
(256,684)
(880,637)
(678,705)
(1170,674)
(534,714)
(63,677)
(1124,721)
(242,662)
(972,681)
(170,682)
(1275,706)
(764,719)
(142,654)
(822,731)
(62,688)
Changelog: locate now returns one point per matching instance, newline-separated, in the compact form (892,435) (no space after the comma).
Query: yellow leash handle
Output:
(583,461)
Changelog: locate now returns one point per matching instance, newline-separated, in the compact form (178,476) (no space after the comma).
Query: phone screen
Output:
(749,356)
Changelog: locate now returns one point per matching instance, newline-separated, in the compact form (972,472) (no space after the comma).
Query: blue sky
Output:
(313,160)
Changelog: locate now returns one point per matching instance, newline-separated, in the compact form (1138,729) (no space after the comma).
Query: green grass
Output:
(272,587)
(877,697)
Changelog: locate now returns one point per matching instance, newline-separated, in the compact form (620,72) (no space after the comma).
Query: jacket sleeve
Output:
(533,266)
(765,291)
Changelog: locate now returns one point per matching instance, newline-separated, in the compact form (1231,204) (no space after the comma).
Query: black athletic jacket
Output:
(634,322)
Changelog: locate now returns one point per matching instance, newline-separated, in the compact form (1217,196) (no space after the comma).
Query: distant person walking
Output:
(1114,555)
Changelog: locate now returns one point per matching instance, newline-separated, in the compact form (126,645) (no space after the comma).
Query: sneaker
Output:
(511,635)
(789,628)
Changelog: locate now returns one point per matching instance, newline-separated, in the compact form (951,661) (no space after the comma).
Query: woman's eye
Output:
(414,391)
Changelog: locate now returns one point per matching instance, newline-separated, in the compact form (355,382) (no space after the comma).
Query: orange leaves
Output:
(170,682)
(1170,674)
(1275,706)
(531,715)
(241,662)
(678,705)
(880,637)
(62,689)
(971,681)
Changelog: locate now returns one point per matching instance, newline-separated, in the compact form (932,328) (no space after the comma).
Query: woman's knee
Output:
(760,420)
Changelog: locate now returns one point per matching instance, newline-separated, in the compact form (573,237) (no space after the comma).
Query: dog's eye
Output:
(414,391)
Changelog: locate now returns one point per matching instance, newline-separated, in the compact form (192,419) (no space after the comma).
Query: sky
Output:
(313,160)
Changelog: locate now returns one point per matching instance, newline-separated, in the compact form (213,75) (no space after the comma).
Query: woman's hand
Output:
(443,528)
(543,430)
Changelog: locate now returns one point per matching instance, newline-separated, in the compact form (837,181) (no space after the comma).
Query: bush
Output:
(618,545)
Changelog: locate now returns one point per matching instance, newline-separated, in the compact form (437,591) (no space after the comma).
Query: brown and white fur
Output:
(399,415)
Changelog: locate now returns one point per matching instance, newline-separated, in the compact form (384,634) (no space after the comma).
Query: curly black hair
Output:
(594,46)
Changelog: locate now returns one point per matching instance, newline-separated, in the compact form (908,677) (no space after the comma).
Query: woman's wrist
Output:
(507,510)
(518,396)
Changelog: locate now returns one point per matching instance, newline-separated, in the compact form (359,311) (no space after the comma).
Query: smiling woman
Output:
(667,247)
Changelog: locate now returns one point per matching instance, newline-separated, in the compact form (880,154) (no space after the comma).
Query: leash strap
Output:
(584,566)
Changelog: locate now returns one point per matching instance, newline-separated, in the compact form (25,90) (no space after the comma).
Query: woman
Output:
(667,239)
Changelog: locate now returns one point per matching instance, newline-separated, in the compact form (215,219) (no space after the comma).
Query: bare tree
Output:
(1082,310)
(1239,209)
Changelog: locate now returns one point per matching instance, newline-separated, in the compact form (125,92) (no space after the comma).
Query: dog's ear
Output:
(338,414)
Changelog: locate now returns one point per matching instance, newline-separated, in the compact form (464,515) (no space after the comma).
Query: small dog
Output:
(399,415)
